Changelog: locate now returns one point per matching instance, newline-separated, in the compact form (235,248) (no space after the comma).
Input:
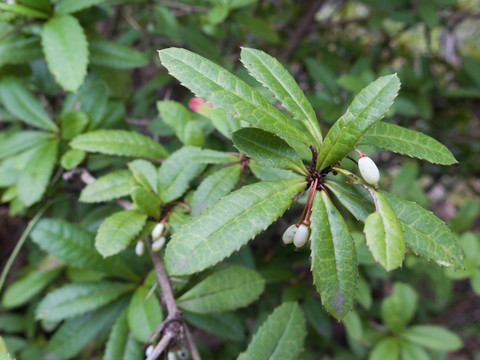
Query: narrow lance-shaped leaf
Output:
(384,234)
(108,187)
(226,226)
(65,47)
(20,102)
(268,149)
(144,313)
(119,142)
(226,91)
(227,289)
(207,156)
(408,142)
(268,71)
(22,141)
(111,54)
(433,337)
(426,235)
(280,337)
(334,257)
(368,107)
(121,343)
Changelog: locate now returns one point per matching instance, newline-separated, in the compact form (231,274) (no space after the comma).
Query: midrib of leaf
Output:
(219,292)
(335,257)
(283,335)
(299,103)
(184,169)
(244,213)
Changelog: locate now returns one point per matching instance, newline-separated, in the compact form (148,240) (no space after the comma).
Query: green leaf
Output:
(353,324)
(408,142)
(75,334)
(73,123)
(76,299)
(215,186)
(227,289)
(425,234)
(228,225)
(384,235)
(280,337)
(144,314)
(119,142)
(398,309)
(145,173)
(22,141)
(412,352)
(118,230)
(76,246)
(21,103)
(433,337)
(147,201)
(334,257)
(23,10)
(24,289)
(176,173)
(65,47)
(113,55)
(224,90)
(266,173)
(114,185)
(225,325)
(193,134)
(267,149)
(368,107)
(71,6)
(34,178)
(388,348)
(207,156)
(121,344)
(72,158)
(94,102)
(17,49)
(271,74)
(175,115)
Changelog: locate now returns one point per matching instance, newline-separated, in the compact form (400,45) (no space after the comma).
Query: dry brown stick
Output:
(302,28)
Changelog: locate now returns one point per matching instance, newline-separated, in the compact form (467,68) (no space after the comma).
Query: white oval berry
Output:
(158,244)
(149,350)
(289,234)
(369,170)
(140,248)
(182,354)
(301,236)
(157,231)
(171,356)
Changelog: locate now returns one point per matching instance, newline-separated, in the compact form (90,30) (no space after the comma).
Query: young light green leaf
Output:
(388,348)
(144,314)
(76,299)
(271,74)
(225,325)
(398,309)
(267,149)
(175,115)
(176,173)
(408,142)
(280,337)
(118,230)
(24,289)
(334,257)
(121,344)
(73,123)
(207,156)
(76,246)
(119,142)
(384,234)
(111,54)
(208,238)
(65,47)
(267,173)
(147,201)
(114,185)
(224,90)
(215,186)
(145,173)
(72,158)
(433,337)
(34,178)
(227,289)
(22,141)
(23,10)
(21,103)
(74,335)
(71,6)
(411,351)
(368,107)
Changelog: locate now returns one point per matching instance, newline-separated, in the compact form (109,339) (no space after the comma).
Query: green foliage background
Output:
(89,71)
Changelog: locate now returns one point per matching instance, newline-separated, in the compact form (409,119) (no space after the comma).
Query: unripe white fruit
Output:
(158,244)
(369,170)
(171,356)
(157,231)
(140,248)
(289,234)
(182,354)
(301,236)
(149,350)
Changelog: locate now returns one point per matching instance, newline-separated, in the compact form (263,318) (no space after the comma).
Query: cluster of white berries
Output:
(299,235)
(157,238)
(181,354)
